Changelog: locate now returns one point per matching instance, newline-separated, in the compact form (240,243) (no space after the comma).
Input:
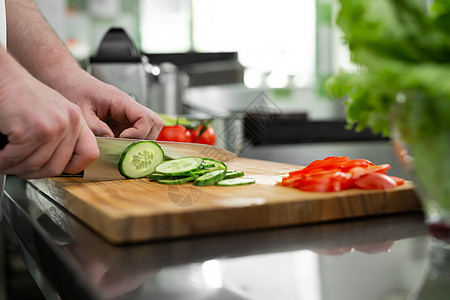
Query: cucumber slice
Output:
(159,176)
(170,179)
(210,178)
(216,164)
(207,166)
(235,181)
(180,166)
(176,181)
(200,172)
(140,159)
(233,174)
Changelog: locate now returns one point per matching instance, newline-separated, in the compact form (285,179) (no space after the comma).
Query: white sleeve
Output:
(3,43)
(2,24)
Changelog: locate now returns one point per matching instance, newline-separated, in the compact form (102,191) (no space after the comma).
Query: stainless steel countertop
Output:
(385,257)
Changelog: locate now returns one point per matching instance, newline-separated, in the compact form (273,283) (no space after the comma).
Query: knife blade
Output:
(106,166)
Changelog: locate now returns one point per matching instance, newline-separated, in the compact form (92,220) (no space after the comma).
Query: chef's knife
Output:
(106,166)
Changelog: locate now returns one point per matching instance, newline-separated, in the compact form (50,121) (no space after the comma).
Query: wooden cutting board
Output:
(124,211)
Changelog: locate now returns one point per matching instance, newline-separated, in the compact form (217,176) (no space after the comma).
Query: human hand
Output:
(46,133)
(109,111)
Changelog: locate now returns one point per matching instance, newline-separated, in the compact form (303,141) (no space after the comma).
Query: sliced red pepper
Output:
(375,181)
(339,173)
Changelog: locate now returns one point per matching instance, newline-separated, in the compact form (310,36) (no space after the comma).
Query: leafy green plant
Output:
(400,46)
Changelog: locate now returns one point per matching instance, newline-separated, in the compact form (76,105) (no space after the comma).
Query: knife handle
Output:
(3,141)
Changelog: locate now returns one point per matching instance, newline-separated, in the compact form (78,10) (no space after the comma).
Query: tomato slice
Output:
(375,181)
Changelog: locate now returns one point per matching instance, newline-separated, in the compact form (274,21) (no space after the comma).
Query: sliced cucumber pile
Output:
(199,171)
(140,159)
(147,159)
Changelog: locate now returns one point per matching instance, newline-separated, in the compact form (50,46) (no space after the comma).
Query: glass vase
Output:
(421,136)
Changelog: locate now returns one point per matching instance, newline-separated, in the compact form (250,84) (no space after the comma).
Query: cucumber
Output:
(180,166)
(140,159)
(200,172)
(176,181)
(233,174)
(159,176)
(210,178)
(207,166)
(215,164)
(235,181)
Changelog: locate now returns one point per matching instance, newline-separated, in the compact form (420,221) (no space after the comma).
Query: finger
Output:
(156,128)
(16,152)
(98,127)
(26,158)
(36,165)
(12,155)
(154,132)
(67,156)
(85,152)
(144,128)
(139,130)
(132,133)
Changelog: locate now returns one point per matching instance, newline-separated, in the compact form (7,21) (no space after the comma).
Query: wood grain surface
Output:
(136,210)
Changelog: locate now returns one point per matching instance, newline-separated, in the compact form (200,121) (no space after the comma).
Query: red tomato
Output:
(208,136)
(375,181)
(175,133)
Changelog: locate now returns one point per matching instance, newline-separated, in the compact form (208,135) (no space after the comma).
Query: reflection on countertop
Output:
(367,258)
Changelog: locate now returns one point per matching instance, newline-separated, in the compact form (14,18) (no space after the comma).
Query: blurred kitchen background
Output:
(256,66)
(230,49)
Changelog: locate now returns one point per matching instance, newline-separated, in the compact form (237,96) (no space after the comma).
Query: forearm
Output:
(35,45)
(10,71)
